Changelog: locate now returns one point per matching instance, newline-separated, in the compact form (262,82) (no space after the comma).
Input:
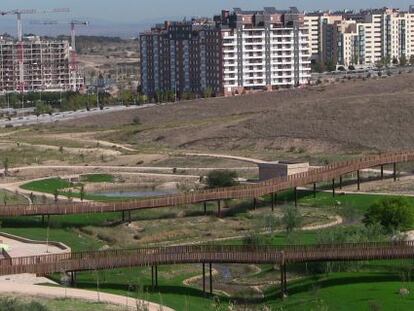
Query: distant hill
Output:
(95,28)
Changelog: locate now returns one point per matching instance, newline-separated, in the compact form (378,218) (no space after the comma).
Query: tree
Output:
(82,192)
(221,179)
(56,195)
(403,60)
(291,219)
(208,92)
(6,166)
(412,60)
(395,61)
(393,214)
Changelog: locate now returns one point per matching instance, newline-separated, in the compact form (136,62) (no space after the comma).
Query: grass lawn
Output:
(357,291)
(51,185)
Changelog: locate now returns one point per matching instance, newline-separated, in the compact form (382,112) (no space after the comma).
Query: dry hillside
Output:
(351,116)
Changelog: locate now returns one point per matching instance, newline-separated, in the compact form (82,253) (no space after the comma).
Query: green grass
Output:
(49,185)
(97,178)
(357,291)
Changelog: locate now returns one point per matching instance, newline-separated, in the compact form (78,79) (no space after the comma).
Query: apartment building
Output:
(181,57)
(236,52)
(263,50)
(47,66)
(364,37)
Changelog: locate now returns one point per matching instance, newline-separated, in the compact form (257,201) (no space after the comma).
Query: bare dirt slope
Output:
(351,116)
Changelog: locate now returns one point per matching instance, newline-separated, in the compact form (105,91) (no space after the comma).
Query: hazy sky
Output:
(144,10)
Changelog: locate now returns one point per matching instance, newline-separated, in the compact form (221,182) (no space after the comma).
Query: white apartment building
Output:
(366,37)
(313,25)
(264,56)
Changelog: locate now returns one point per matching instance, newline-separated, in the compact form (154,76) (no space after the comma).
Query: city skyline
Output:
(129,11)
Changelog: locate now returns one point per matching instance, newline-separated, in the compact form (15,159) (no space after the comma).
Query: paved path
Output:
(62,292)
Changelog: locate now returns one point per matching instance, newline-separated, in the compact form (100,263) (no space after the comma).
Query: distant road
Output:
(64,116)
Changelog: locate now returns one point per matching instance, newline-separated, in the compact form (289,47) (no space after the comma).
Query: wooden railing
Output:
(112,259)
(275,185)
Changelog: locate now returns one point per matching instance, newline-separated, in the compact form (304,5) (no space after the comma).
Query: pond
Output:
(140,193)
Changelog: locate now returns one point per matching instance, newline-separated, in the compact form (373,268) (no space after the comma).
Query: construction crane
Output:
(19,13)
(73,53)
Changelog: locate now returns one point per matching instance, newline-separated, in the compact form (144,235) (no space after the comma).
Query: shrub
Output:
(291,219)
(221,179)
(391,213)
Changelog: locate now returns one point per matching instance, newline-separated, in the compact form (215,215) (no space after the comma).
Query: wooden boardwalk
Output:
(112,259)
(325,174)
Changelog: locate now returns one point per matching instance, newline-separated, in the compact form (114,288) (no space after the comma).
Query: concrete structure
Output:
(281,169)
(365,37)
(264,50)
(237,52)
(46,66)
(322,34)
(181,57)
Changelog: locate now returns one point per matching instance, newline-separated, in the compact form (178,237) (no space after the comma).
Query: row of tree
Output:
(330,65)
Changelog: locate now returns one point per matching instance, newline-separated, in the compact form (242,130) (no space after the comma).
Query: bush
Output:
(393,214)
(221,179)
(291,219)
(12,304)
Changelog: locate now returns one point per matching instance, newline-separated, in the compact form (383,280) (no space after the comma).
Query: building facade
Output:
(181,57)
(46,63)
(263,50)
(366,37)
(238,51)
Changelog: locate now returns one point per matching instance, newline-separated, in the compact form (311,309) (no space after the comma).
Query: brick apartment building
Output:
(236,52)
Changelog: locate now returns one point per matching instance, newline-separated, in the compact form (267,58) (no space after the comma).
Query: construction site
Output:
(32,64)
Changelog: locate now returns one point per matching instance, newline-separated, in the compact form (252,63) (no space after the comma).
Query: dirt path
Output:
(225,156)
(338,220)
(62,292)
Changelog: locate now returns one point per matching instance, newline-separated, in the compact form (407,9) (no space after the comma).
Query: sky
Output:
(142,11)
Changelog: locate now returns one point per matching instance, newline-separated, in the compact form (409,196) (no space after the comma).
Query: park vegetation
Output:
(393,214)
(221,179)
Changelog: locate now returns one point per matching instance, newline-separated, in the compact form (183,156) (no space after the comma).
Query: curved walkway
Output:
(327,173)
(62,292)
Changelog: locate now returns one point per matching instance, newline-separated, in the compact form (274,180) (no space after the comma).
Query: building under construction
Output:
(47,66)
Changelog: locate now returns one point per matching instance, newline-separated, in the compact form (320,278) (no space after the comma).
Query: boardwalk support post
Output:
(333,187)
(395,171)
(283,281)
(219,208)
(382,172)
(204,279)
(340,182)
(156,276)
(314,190)
(358,181)
(129,217)
(211,279)
(152,277)
(296,196)
(273,201)
(205,208)
(254,203)
(72,278)
(123,216)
